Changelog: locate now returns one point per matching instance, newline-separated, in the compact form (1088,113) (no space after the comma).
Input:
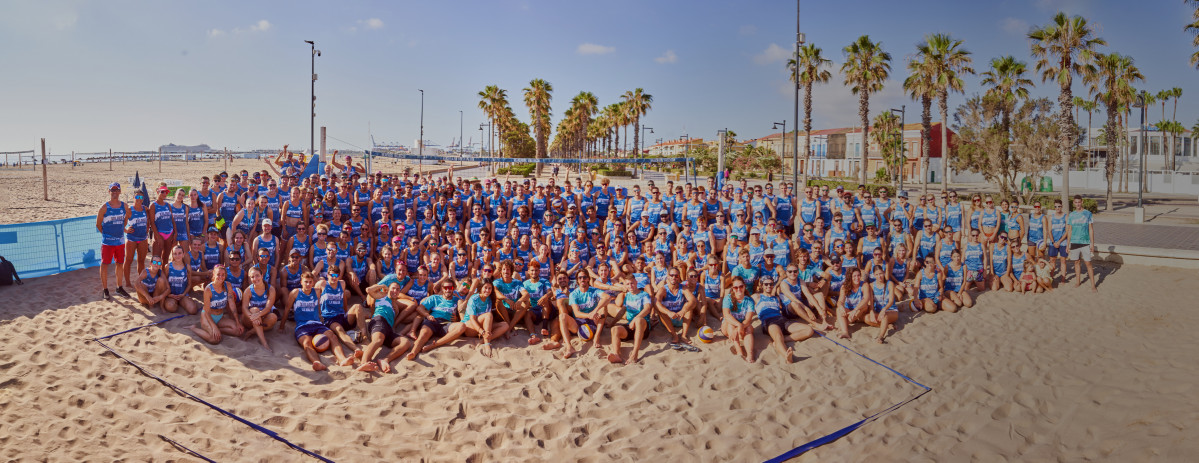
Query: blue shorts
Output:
(586,321)
(1059,251)
(339,319)
(309,329)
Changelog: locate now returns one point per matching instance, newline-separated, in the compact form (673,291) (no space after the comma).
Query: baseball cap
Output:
(397,239)
(266,222)
(361,246)
(295,252)
(213,229)
(769,253)
(840,188)
(163,188)
(903,194)
(114,186)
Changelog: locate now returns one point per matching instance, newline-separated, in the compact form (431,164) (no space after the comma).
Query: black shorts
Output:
(378,324)
(437,327)
(537,315)
(767,323)
(339,319)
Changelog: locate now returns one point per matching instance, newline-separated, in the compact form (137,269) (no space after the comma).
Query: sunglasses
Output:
(738,286)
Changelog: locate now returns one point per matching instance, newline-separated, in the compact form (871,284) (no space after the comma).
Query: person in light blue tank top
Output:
(930,280)
(955,286)
(178,275)
(737,323)
(304,303)
(1001,265)
(855,301)
(219,317)
(884,313)
(637,306)
(110,222)
(768,307)
(151,287)
(257,307)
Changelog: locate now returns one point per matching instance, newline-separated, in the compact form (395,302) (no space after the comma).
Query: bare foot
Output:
(734,350)
(568,354)
(485,349)
(545,332)
(348,362)
(384,366)
(614,358)
(790,357)
(631,360)
(684,340)
(426,349)
(879,340)
(534,340)
(551,345)
(268,348)
(368,366)
(842,335)
(412,355)
(318,366)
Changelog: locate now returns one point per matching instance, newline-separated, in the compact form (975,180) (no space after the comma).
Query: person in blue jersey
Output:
(150,285)
(220,316)
(588,306)
(676,308)
(956,296)
(110,222)
(304,304)
(737,321)
(514,303)
(883,313)
(930,282)
(332,294)
(178,279)
(856,300)
(200,271)
(1058,238)
(162,225)
(137,233)
(258,307)
(1081,236)
(1038,233)
(635,318)
(437,313)
(974,256)
(480,318)
(899,267)
(768,307)
(799,301)
(999,265)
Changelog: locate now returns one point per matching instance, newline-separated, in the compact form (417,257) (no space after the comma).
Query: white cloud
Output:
(593,49)
(667,58)
(260,26)
(215,33)
(372,23)
(771,54)
(65,20)
(748,29)
(1014,26)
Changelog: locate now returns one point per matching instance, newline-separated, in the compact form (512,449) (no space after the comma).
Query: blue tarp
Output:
(542,160)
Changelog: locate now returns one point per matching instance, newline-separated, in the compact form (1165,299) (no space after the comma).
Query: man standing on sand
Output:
(1081,232)
(110,222)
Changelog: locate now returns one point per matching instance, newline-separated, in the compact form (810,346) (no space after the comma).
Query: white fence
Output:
(1156,181)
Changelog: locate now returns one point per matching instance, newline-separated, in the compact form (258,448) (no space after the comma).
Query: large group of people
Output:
(401,264)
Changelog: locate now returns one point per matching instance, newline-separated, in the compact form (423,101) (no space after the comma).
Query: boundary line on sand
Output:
(180,391)
(833,436)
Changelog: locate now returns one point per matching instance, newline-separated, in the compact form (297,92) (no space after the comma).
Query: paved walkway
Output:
(1147,235)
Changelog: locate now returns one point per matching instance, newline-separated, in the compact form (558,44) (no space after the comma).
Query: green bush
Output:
(501,171)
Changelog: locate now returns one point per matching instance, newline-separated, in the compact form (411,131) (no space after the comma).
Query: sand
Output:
(1069,375)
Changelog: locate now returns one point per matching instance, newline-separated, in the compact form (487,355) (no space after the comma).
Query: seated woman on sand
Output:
(931,280)
(480,318)
(381,327)
(769,309)
(884,313)
(218,317)
(257,307)
(737,324)
(151,288)
(855,301)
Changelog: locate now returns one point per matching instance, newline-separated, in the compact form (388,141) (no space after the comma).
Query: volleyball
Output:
(320,342)
(586,331)
(707,334)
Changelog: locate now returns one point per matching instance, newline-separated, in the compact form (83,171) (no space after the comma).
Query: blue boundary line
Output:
(833,436)
(177,389)
(185,449)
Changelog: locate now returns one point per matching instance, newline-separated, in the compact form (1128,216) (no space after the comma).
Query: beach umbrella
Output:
(137,181)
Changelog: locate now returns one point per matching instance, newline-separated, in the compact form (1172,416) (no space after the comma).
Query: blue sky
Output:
(130,75)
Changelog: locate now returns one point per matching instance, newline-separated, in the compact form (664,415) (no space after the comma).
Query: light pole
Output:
(420,146)
(1138,215)
(722,133)
(782,149)
(799,39)
(903,145)
(312,93)
(643,129)
(459,133)
(481,145)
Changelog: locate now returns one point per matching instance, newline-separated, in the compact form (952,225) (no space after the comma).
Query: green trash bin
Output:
(1046,184)
(1026,184)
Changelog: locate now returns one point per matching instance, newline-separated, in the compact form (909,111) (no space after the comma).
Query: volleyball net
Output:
(19,160)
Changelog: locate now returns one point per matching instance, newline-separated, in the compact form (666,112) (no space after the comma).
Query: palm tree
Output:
(949,61)
(639,103)
(888,135)
(584,105)
(1061,49)
(919,85)
(1089,106)
(488,102)
(537,98)
(1111,79)
(813,69)
(866,67)
(1193,28)
(1008,86)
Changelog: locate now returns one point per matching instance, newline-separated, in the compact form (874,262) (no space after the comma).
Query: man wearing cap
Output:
(110,222)
(162,225)
(267,241)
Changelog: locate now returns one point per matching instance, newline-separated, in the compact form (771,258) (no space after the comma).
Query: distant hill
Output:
(173,148)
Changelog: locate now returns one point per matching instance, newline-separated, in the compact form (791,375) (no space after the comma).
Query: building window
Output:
(1186,146)
(1135,144)
(1155,147)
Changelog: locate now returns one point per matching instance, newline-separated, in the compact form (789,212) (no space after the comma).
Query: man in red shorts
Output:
(110,222)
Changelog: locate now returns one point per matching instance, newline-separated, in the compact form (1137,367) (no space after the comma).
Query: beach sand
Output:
(1067,376)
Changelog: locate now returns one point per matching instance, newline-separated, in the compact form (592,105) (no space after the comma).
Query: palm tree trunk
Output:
(1109,165)
(1066,127)
(864,113)
(943,105)
(636,135)
(807,127)
(926,135)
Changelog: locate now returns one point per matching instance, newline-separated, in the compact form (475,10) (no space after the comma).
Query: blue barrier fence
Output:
(541,160)
(45,248)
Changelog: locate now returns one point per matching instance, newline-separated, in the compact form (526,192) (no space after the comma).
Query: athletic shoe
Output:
(107,297)
(121,292)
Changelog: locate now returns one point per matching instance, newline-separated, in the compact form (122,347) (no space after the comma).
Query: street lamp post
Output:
(782,149)
(799,40)
(722,133)
(460,134)
(1138,215)
(420,147)
(903,146)
(312,102)
(643,129)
